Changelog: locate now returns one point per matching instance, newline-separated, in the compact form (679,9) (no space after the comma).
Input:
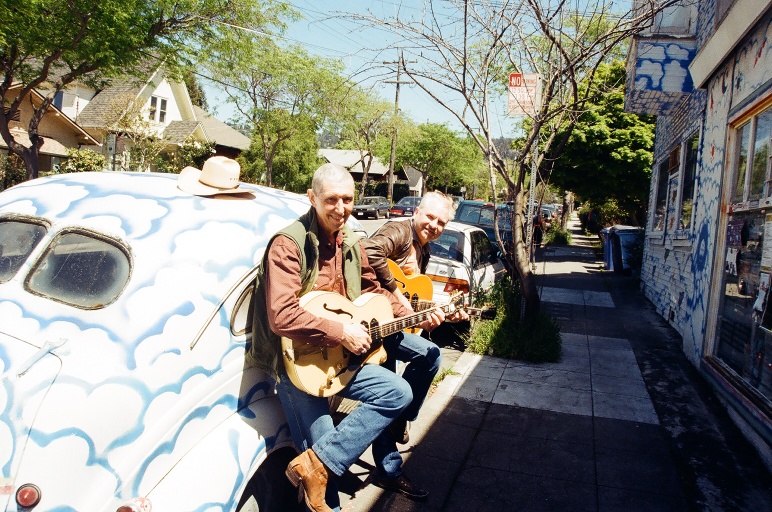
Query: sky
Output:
(361,49)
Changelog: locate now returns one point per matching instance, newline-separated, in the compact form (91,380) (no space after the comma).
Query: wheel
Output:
(269,489)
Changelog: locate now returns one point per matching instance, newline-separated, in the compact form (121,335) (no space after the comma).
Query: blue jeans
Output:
(384,397)
(423,362)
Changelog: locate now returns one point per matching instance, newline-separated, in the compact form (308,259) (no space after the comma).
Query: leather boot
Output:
(308,472)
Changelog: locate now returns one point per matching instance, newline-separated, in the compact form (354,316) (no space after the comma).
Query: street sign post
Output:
(524,94)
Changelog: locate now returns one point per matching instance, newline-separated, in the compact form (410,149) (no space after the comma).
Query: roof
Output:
(50,146)
(103,106)
(178,131)
(351,159)
(219,132)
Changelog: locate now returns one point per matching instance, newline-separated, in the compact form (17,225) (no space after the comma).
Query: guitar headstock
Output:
(487,312)
(455,301)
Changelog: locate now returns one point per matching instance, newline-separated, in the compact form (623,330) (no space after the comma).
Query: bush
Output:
(12,170)
(557,235)
(534,339)
(82,160)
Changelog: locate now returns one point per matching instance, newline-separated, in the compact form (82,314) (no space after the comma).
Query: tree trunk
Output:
(520,260)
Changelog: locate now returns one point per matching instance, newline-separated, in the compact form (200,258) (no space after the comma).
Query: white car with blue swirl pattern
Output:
(124,318)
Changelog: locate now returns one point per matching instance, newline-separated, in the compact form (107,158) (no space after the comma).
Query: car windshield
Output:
(17,240)
(81,270)
(449,245)
(369,200)
(409,201)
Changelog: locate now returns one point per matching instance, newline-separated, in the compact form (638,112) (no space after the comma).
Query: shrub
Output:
(534,339)
(82,160)
(557,235)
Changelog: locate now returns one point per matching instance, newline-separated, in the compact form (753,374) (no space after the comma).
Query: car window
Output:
(81,270)
(17,240)
(450,244)
(486,217)
(481,249)
(470,215)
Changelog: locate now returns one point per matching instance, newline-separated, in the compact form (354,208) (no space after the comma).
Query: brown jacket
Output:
(394,240)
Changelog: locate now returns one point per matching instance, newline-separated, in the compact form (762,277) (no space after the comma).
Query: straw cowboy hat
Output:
(219,175)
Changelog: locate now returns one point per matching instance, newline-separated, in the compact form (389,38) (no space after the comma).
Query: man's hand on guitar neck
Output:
(458,315)
(436,317)
(356,338)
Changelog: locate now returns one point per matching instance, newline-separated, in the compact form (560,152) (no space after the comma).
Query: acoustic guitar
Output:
(324,371)
(415,288)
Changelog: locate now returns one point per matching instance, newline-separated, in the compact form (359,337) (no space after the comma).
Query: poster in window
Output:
(731,261)
(766,250)
(734,232)
(672,203)
(766,317)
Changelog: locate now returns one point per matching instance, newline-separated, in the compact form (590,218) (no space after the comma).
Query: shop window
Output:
(752,180)
(744,335)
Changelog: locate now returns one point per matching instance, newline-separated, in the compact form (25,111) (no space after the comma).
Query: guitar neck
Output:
(404,322)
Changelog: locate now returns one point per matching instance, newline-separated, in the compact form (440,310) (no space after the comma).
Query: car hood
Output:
(27,374)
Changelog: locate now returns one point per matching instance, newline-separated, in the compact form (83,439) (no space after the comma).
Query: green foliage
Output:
(443,157)
(294,160)
(12,170)
(593,218)
(556,235)
(190,153)
(534,339)
(58,43)
(609,154)
(82,160)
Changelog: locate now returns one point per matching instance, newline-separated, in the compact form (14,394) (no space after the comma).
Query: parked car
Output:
(125,307)
(405,206)
(480,214)
(372,206)
(463,258)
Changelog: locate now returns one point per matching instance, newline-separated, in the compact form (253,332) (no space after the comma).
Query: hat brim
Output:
(188,182)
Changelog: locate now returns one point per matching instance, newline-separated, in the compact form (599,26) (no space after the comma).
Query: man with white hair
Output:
(407,244)
(318,252)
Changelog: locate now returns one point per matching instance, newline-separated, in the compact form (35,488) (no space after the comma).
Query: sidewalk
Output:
(621,423)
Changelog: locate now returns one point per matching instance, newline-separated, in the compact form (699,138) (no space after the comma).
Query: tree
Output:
(293,163)
(465,51)
(364,124)
(609,153)
(276,90)
(45,45)
(195,91)
(440,155)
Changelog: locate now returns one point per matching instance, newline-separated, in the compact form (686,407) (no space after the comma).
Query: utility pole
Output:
(400,64)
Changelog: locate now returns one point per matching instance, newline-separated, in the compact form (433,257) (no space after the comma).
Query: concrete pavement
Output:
(621,423)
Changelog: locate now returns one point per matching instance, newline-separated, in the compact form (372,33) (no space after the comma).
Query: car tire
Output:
(269,489)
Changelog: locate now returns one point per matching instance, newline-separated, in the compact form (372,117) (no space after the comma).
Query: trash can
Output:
(605,239)
(626,248)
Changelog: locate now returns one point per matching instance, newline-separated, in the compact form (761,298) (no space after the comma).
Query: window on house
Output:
(666,168)
(162,112)
(752,161)
(153,108)
(689,175)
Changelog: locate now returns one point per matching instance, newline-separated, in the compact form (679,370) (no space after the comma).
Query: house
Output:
(705,70)
(59,132)
(352,159)
(157,107)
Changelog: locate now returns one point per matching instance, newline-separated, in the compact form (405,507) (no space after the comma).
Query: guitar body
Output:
(325,371)
(417,288)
